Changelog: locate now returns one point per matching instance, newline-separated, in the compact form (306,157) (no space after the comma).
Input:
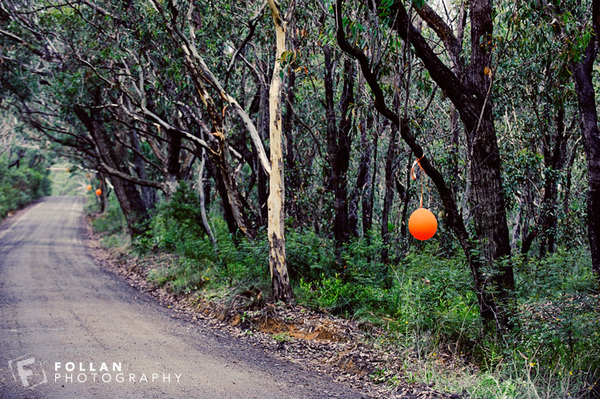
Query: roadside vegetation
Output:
(423,301)
(22,181)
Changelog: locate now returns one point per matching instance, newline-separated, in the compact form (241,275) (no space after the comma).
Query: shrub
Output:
(308,255)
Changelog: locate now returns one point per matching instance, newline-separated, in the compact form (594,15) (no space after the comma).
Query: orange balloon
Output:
(422,224)
(98,192)
(89,187)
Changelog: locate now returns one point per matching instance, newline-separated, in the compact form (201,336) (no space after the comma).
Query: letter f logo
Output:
(30,373)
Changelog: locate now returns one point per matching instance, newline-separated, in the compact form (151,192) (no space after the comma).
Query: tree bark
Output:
(293,176)
(331,125)
(281,288)
(369,196)
(148,193)
(342,158)
(338,148)
(202,198)
(390,182)
(489,208)
(215,173)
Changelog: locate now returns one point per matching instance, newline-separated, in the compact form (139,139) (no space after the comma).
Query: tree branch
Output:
(442,29)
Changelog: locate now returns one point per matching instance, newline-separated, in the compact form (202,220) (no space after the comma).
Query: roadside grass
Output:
(423,303)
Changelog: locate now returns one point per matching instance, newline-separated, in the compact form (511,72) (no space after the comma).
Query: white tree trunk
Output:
(280,281)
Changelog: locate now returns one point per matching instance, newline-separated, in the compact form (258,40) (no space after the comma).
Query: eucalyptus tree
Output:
(280,287)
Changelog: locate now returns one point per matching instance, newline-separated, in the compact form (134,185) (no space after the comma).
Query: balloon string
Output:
(413,175)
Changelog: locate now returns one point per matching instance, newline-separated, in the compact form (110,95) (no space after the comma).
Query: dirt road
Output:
(69,329)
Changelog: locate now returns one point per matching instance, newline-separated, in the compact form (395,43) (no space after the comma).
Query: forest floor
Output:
(344,349)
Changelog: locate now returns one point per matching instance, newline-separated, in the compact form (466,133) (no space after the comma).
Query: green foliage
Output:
(176,227)
(112,221)
(560,311)
(425,301)
(309,256)
(339,297)
(21,185)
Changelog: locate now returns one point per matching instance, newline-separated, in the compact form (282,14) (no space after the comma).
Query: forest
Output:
(283,146)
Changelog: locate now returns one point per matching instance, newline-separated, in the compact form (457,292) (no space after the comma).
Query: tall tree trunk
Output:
(342,159)
(148,194)
(331,125)
(202,198)
(338,148)
(584,87)
(489,208)
(280,281)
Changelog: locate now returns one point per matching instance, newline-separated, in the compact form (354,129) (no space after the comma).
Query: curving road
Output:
(68,329)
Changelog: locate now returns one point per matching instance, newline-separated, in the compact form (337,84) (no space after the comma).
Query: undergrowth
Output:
(424,301)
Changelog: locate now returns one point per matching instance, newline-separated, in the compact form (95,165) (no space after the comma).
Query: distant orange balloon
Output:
(98,192)
(422,224)
(89,187)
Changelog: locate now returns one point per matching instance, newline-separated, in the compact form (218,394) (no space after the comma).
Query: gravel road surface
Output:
(69,329)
